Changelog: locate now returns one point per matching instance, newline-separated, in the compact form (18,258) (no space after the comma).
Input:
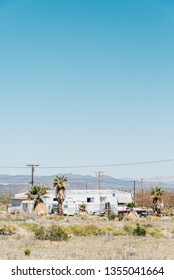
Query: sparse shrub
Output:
(83,217)
(56,233)
(27,252)
(29,226)
(155,232)
(120,217)
(3,207)
(82,207)
(40,233)
(78,230)
(129,229)
(107,230)
(131,205)
(118,231)
(92,230)
(8,229)
(112,216)
(55,217)
(139,230)
(53,233)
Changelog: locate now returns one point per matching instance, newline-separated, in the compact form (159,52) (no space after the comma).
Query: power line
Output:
(92,166)
(109,165)
(15,167)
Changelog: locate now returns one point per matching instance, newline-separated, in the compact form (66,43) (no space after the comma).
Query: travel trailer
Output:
(96,201)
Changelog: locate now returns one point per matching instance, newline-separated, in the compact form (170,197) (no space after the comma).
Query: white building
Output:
(96,201)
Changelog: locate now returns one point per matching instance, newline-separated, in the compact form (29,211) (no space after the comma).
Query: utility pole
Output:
(134,190)
(7,201)
(141,188)
(32,171)
(99,174)
(141,185)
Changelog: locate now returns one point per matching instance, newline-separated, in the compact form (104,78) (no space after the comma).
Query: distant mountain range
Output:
(22,183)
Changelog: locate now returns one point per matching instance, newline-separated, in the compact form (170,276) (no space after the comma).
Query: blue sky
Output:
(87,83)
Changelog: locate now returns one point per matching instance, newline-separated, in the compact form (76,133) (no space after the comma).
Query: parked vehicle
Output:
(140,211)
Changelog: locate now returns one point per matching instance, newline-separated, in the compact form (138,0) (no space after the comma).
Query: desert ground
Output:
(89,237)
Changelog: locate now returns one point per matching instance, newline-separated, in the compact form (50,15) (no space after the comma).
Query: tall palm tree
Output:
(157,193)
(36,193)
(60,183)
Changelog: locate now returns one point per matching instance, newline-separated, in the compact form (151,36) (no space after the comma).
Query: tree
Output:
(36,193)
(60,183)
(157,193)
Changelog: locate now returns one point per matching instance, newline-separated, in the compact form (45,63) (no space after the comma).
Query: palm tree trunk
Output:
(60,210)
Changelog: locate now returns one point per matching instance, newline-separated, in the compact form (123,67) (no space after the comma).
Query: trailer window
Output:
(90,199)
(121,204)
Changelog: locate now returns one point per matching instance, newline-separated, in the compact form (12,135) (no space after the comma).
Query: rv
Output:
(94,200)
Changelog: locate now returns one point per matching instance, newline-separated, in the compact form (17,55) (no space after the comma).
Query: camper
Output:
(96,201)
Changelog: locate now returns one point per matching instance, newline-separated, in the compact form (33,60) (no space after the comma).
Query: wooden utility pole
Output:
(99,174)
(141,185)
(7,201)
(32,171)
(141,188)
(134,190)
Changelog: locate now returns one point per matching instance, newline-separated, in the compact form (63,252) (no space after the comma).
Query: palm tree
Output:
(60,183)
(157,193)
(36,193)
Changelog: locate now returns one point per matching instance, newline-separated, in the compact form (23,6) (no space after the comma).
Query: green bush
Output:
(129,229)
(131,205)
(78,230)
(120,217)
(112,216)
(139,230)
(27,252)
(155,232)
(30,226)
(8,229)
(92,230)
(53,233)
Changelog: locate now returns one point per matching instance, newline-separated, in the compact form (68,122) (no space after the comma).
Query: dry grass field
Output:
(89,237)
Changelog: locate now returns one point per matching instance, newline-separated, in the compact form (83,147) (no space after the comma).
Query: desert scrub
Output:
(28,226)
(112,230)
(129,229)
(154,231)
(139,230)
(27,252)
(112,216)
(120,217)
(78,230)
(8,229)
(55,217)
(52,233)
(93,230)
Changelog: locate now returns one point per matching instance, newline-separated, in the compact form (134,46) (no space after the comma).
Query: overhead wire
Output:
(93,166)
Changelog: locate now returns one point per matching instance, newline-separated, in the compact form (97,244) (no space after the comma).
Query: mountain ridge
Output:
(20,183)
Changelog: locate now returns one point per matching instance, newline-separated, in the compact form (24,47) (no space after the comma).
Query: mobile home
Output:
(95,201)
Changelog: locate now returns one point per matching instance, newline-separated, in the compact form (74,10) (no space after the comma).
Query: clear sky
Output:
(87,82)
